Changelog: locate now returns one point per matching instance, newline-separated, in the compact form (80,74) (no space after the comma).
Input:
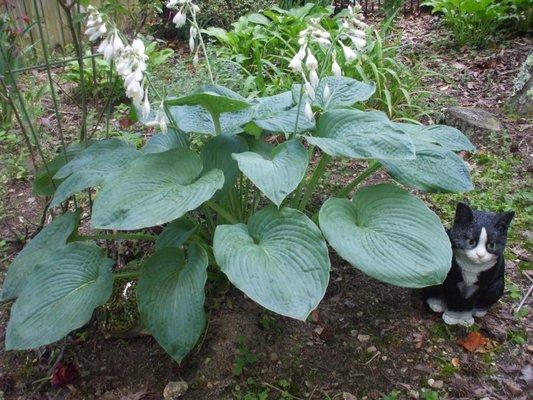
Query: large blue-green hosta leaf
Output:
(280,260)
(155,189)
(53,236)
(390,235)
(213,98)
(175,234)
(44,183)
(216,154)
(92,166)
(436,167)
(278,174)
(60,296)
(358,134)
(195,119)
(343,92)
(162,142)
(170,295)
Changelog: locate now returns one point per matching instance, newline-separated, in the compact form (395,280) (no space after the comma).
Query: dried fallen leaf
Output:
(456,362)
(64,374)
(474,341)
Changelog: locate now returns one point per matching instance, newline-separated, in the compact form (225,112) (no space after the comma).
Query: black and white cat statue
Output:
(476,279)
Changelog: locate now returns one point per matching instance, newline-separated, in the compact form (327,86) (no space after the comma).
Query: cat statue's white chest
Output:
(473,262)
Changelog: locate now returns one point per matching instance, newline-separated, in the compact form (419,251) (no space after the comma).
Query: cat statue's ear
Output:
(504,220)
(463,214)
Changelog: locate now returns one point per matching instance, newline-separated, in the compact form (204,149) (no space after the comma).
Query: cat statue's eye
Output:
(491,246)
(471,242)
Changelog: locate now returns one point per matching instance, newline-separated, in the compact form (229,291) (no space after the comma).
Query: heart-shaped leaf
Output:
(162,142)
(390,235)
(195,119)
(280,260)
(448,137)
(358,134)
(217,154)
(278,175)
(53,236)
(98,162)
(60,296)
(44,184)
(155,189)
(215,99)
(436,167)
(285,122)
(344,92)
(170,295)
(175,234)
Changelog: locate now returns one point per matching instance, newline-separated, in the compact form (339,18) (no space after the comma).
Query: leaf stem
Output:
(372,168)
(126,275)
(222,212)
(319,171)
(118,236)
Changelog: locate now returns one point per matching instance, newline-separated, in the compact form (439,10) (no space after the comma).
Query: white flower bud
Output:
(349,54)
(309,90)
(308,111)
(145,110)
(311,61)
(313,78)
(180,19)
(336,68)
(296,62)
(192,44)
(326,95)
(358,42)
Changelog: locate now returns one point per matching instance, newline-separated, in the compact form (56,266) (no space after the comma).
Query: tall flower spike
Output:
(95,24)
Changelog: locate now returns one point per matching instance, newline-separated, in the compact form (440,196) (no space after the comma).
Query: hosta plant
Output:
(240,206)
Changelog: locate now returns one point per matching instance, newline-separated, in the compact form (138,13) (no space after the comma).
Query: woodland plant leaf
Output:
(215,99)
(285,122)
(216,154)
(388,234)
(170,296)
(344,92)
(162,142)
(279,174)
(92,166)
(436,167)
(43,245)
(279,259)
(45,184)
(175,234)
(155,189)
(358,134)
(60,296)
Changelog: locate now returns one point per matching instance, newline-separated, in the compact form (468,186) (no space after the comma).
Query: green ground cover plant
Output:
(236,204)
(476,22)
(262,44)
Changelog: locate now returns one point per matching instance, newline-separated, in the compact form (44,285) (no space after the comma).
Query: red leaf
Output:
(64,374)
(473,341)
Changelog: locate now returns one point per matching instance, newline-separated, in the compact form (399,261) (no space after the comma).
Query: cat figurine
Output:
(476,279)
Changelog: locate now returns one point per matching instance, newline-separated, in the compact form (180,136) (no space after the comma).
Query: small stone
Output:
(384,358)
(471,120)
(431,382)
(371,349)
(438,384)
(363,338)
(359,314)
(274,357)
(174,390)
(348,396)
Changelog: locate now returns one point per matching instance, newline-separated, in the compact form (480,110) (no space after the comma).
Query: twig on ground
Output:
(524,298)
(374,356)
(281,391)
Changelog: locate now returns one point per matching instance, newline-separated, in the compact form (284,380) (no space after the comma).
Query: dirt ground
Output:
(365,341)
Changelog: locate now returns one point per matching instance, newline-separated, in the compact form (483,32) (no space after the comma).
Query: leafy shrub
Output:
(238,205)
(223,13)
(475,22)
(263,45)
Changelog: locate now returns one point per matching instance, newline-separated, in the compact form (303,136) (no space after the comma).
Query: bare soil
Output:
(366,338)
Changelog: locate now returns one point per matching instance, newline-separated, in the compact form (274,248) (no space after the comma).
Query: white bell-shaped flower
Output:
(336,68)
(180,19)
(349,54)
(308,111)
(311,62)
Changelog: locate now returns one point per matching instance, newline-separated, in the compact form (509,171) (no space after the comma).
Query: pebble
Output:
(371,349)
(363,338)
(174,390)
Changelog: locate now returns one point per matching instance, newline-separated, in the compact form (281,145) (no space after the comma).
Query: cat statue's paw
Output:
(464,318)
(479,312)
(436,304)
